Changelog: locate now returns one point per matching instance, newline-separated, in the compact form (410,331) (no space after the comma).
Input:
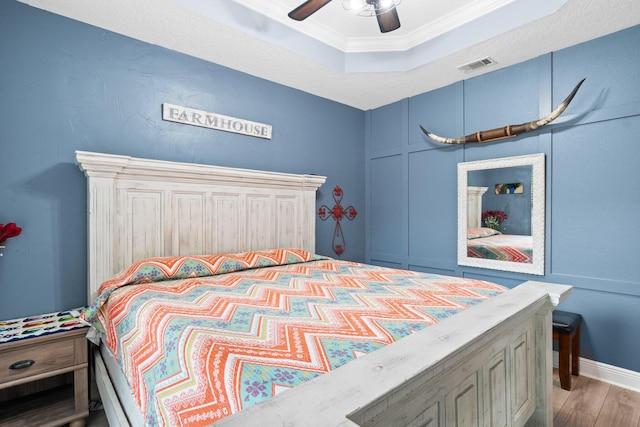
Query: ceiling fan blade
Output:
(306,9)
(388,21)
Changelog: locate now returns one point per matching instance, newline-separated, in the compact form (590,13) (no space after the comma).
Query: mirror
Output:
(501,214)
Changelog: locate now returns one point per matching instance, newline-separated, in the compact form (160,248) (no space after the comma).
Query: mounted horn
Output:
(508,131)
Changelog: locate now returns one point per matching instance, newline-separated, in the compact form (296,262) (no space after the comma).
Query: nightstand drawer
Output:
(46,356)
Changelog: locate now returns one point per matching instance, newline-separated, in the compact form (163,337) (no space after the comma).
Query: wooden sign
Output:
(190,116)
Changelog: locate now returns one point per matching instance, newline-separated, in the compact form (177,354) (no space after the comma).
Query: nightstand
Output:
(44,371)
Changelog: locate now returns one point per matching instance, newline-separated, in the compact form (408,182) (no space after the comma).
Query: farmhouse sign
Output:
(190,116)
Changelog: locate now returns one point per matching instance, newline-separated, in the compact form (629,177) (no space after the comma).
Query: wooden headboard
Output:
(141,208)
(474,206)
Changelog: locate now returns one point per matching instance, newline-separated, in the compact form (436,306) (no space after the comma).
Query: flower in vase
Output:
(493,219)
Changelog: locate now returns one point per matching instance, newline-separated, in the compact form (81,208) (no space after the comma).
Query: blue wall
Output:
(67,86)
(592,175)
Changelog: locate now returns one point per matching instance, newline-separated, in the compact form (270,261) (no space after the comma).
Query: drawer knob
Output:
(22,364)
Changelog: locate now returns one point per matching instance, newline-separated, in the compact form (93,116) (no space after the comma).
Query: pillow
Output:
(181,267)
(476,233)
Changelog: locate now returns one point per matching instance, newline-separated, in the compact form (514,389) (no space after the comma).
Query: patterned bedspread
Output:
(200,338)
(503,247)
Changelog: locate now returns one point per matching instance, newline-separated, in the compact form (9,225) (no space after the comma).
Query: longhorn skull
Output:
(508,131)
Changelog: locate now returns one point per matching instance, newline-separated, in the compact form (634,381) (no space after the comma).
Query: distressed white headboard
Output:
(140,208)
(474,206)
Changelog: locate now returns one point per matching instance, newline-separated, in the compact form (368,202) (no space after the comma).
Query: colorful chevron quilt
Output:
(503,247)
(200,338)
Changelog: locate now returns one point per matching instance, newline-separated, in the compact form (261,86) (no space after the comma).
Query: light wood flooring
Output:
(590,403)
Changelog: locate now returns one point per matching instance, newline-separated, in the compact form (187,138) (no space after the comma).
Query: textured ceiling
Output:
(345,58)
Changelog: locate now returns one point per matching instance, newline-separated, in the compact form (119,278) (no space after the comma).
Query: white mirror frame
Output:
(537,161)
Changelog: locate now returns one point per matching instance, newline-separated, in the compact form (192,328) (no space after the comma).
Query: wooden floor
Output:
(592,403)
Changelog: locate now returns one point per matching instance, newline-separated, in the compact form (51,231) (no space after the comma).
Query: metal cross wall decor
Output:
(338,212)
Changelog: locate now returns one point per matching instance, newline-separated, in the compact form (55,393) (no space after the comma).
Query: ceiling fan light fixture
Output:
(384,11)
(369,7)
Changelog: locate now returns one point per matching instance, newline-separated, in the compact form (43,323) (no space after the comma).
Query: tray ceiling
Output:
(345,58)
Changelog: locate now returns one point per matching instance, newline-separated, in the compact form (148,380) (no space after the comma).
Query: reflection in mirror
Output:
(501,205)
(516,206)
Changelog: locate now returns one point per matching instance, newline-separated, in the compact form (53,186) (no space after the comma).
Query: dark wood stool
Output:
(566,330)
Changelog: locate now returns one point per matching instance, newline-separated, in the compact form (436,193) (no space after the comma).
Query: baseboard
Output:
(620,377)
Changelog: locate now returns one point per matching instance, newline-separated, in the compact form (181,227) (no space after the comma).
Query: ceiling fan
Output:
(384,10)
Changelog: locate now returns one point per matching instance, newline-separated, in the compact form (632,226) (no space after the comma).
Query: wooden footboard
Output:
(488,366)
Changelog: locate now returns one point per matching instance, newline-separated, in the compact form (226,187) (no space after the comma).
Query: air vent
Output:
(475,65)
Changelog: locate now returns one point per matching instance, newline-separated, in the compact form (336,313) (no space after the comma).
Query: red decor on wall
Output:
(7,231)
(338,212)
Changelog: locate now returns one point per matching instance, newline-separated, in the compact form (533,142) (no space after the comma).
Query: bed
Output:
(486,243)
(489,364)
